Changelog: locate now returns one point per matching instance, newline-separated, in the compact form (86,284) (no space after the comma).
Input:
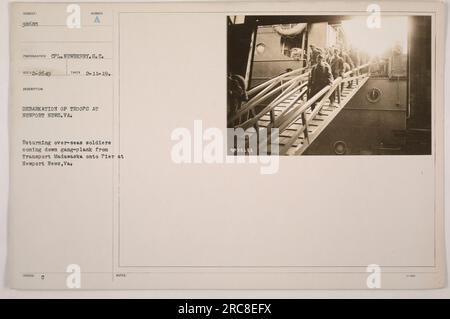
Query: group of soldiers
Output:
(327,65)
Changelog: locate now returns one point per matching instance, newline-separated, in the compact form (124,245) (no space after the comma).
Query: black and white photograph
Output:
(331,85)
(153,150)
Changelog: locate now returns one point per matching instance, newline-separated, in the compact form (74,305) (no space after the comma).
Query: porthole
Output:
(374,95)
(340,148)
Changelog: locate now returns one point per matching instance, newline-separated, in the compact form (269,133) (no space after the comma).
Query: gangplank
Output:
(282,103)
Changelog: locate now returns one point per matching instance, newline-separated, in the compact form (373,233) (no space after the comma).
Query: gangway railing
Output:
(278,88)
(296,108)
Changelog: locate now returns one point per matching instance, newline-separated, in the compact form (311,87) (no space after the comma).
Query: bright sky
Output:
(377,40)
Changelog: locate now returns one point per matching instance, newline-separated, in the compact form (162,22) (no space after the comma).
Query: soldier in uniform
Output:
(236,94)
(356,59)
(319,78)
(349,61)
(337,69)
(314,52)
(355,56)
